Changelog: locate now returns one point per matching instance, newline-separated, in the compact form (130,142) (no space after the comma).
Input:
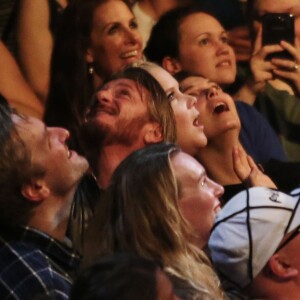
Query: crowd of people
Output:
(148,150)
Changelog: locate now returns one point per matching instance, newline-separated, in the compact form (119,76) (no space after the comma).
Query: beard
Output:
(124,132)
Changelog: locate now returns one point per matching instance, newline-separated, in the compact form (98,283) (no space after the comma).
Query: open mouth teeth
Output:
(129,54)
(220,107)
(224,64)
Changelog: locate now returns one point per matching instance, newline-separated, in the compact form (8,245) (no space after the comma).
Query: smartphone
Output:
(278,27)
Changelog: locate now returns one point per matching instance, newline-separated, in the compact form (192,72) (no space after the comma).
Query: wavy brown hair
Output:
(140,214)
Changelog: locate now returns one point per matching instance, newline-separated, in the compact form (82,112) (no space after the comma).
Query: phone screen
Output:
(278,27)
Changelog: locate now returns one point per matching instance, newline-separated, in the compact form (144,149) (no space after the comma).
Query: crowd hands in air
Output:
(141,165)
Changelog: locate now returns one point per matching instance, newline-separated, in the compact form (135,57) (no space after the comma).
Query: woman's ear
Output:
(35,191)
(89,56)
(172,65)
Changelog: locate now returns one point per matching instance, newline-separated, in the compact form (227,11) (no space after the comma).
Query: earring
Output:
(91,70)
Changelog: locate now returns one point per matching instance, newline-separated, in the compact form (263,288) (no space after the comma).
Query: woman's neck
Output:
(217,158)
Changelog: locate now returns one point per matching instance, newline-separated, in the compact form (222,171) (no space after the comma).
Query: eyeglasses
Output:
(291,237)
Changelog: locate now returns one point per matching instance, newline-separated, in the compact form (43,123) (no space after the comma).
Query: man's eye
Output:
(123,93)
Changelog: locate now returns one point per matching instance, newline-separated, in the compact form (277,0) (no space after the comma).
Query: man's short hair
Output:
(16,169)
(120,276)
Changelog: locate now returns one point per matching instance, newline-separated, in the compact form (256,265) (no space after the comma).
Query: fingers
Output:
(240,164)
(290,48)
(262,69)
(258,40)
(288,69)
(251,162)
(257,177)
(269,49)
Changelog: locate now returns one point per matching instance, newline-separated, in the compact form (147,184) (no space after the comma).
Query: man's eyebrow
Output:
(124,84)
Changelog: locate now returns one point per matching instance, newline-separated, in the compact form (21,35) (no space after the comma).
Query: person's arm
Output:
(14,87)
(35,44)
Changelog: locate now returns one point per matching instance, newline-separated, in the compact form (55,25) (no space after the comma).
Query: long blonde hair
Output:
(140,214)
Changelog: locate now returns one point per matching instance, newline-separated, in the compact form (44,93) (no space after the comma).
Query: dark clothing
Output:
(33,263)
(230,13)
(258,138)
(87,195)
(286,175)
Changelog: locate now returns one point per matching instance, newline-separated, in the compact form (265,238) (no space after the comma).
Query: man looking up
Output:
(129,112)
(38,179)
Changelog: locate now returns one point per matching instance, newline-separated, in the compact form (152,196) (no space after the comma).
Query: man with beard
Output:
(38,179)
(129,112)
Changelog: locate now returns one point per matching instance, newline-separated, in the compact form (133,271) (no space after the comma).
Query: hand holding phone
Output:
(278,27)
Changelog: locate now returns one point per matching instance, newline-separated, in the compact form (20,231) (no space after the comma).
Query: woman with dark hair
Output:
(223,156)
(96,39)
(191,39)
(161,206)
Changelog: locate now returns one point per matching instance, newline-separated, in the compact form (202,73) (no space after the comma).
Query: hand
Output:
(255,177)
(262,69)
(289,69)
(239,39)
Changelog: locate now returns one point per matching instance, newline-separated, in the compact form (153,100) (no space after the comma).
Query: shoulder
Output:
(26,271)
(246,109)
(250,116)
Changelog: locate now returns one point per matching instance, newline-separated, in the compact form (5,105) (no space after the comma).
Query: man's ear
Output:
(37,190)
(172,65)
(153,133)
(280,265)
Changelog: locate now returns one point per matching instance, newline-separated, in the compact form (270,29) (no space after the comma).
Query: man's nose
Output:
(104,96)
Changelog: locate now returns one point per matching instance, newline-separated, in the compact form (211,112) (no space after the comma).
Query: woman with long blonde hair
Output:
(161,205)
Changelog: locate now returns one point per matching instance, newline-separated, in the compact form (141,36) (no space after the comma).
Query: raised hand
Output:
(248,171)
(289,69)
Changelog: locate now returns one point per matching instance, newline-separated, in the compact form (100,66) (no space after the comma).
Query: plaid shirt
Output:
(33,263)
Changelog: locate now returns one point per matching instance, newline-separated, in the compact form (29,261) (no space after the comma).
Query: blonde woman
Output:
(161,206)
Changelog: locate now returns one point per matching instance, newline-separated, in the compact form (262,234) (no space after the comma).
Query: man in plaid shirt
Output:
(38,179)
